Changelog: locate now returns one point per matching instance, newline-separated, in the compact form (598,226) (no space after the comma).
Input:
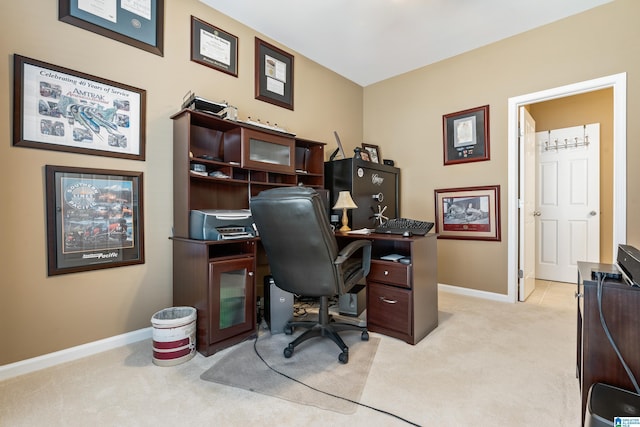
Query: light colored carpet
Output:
(314,363)
(488,364)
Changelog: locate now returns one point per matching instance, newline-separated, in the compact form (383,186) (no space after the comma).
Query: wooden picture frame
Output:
(273,75)
(466,136)
(56,108)
(138,24)
(374,152)
(471,213)
(213,47)
(94,219)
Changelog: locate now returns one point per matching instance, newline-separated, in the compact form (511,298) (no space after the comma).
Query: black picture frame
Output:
(273,75)
(468,213)
(56,108)
(94,219)
(213,47)
(373,151)
(142,27)
(466,136)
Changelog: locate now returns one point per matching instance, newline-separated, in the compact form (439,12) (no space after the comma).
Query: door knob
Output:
(537,213)
(593,213)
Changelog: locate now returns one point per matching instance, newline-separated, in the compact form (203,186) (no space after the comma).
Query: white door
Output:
(527,196)
(568,201)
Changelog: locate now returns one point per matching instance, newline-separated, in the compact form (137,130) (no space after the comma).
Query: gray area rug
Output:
(314,363)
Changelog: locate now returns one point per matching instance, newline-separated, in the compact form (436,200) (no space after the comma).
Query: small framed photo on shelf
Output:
(373,151)
(364,155)
(466,136)
(94,219)
(137,23)
(471,213)
(213,47)
(56,108)
(273,75)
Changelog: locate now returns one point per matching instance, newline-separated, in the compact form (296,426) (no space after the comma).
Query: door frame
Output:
(619,84)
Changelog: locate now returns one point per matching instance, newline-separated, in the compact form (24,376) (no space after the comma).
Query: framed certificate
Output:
(213,47)
(274,75)
(466,136)
(138,23)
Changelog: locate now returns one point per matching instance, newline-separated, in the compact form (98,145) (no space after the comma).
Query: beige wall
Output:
(591,107)
(597,43)
(40,314)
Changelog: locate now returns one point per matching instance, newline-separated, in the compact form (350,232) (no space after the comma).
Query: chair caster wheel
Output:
(344,357)
(288,330)
(288,352)
(365,336)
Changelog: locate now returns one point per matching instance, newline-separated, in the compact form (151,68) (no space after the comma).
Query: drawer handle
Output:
(388,301)
(386,273)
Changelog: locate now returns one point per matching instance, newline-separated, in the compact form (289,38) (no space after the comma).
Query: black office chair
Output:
(305,260)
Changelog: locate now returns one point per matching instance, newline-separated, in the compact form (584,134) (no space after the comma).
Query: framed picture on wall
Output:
(471,213)
(136,23)
(94,219)
(213,47)
(466,136)
(274,75)
(56,108)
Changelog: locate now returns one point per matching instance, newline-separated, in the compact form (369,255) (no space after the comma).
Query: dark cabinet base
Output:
(597,361)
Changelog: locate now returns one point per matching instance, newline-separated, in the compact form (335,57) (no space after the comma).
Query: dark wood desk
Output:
(402,299)
(596,359)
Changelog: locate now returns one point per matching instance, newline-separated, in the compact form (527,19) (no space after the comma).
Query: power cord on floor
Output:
(255,348)
(601,278)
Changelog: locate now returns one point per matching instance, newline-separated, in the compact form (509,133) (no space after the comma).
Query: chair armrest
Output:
(351,249)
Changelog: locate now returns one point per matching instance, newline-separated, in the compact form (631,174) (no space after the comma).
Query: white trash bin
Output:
(174,335)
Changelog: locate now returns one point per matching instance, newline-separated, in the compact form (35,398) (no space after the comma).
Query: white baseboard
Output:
(69,354)
(473,293)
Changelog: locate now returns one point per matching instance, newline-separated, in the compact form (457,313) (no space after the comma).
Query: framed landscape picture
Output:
(56,108)
(471,213)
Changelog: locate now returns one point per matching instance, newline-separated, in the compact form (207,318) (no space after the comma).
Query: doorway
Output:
(618,83)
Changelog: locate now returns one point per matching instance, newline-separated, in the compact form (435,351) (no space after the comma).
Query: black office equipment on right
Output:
(597,361)
(374,187)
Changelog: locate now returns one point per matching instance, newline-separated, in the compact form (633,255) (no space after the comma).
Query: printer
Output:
(221,224)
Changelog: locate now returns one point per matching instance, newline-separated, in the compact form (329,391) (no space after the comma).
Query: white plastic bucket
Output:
(174,335)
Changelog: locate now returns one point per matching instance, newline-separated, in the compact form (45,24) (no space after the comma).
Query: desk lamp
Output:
(345,202)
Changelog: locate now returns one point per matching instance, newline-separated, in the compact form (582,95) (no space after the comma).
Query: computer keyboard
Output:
(405,226)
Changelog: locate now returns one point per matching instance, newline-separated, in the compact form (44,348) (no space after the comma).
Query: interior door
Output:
(526,280)
(568,201)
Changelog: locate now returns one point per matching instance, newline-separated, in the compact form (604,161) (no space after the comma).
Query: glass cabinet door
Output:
(232,293)
(263,151)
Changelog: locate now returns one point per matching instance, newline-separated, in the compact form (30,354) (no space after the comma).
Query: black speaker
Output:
(389,162)
(606,403)
(278,306)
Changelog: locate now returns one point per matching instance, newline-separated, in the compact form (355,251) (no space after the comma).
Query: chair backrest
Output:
(298,240)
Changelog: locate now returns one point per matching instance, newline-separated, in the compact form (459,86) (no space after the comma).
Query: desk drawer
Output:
(389,307)
(390,272)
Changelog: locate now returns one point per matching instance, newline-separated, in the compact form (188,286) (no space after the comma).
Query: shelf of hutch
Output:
(239,161)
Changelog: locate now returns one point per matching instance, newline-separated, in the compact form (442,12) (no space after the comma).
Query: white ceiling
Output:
(367,41)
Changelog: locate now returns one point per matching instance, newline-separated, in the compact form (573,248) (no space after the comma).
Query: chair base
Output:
(324,327)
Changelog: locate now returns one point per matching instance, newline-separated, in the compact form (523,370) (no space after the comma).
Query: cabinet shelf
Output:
(226,146)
